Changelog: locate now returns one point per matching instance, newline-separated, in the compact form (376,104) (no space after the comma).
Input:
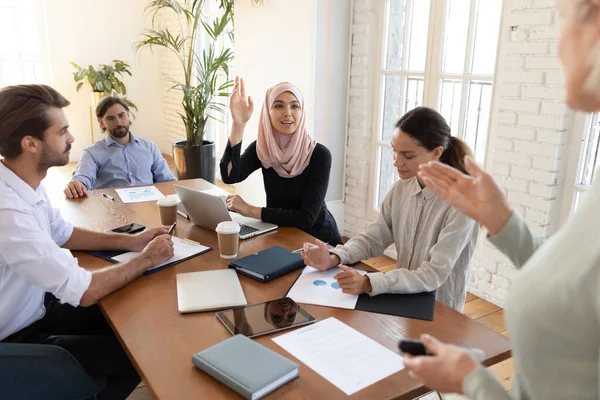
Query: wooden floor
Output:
(476,308)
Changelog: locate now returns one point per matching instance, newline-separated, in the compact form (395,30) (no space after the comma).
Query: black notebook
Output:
(268,264)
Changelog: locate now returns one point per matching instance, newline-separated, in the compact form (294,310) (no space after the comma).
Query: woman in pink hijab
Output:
(295,167)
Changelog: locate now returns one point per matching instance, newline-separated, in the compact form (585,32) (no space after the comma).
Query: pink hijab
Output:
(288,155)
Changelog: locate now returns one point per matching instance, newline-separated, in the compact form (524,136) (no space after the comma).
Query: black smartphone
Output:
(129,228)
(413,347)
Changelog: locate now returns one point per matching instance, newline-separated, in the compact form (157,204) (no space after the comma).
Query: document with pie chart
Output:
(319,288)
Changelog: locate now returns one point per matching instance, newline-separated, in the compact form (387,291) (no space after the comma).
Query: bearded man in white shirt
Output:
(45,297)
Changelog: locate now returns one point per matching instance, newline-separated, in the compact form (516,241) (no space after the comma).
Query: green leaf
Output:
(79,86)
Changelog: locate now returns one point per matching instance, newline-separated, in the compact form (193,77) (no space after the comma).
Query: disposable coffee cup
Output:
(228,233)
(168,210)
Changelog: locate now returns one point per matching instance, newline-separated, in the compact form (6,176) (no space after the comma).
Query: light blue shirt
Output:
(31,260)
(108,164)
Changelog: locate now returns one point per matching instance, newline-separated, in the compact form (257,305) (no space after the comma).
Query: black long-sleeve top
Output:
(297,201)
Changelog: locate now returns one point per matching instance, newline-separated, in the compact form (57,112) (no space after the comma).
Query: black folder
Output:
(268,264)
(414,305)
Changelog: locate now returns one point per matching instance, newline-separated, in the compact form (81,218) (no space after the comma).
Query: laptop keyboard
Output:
(246,230)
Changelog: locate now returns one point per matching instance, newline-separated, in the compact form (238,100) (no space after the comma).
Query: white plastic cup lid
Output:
(167,202)
(228,227)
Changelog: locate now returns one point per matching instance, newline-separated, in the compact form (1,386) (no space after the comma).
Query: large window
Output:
(587,154)
(440,54)
(220,124)
(22,56)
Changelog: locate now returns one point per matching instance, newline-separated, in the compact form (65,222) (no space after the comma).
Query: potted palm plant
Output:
(202,85)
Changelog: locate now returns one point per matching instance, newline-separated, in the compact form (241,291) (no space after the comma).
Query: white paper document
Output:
(139,194)
(345,357)
(183,248)
(319,288)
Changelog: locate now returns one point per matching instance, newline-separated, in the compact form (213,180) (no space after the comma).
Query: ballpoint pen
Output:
(312,246)
(108,196)
(182,214)
(172,228)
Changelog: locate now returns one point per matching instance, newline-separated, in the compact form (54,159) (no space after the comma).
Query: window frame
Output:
(218,129)
(433,77)
(575,155)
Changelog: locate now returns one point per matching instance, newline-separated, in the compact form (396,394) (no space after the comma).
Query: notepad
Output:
(184,249)
(139,194)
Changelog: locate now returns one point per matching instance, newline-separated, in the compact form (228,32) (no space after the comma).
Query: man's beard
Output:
(50,158)
(119,132)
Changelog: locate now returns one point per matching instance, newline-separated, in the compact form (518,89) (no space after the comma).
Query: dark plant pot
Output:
(194,161)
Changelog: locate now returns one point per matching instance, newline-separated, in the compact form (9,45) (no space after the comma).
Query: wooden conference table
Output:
(160,341)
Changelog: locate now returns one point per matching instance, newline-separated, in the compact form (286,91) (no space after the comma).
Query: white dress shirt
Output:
(31,260)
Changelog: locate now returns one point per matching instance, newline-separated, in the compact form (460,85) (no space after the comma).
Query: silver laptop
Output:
(207,210)
(209,290)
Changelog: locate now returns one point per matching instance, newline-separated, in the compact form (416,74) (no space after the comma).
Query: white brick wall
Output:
(535,92)
(362,84)
(527,131)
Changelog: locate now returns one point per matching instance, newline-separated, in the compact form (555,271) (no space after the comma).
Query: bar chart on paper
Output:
(139,194)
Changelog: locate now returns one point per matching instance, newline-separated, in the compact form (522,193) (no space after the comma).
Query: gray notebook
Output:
(246,366)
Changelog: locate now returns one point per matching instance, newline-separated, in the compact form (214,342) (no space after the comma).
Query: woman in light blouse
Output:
(434,242)
(553,308)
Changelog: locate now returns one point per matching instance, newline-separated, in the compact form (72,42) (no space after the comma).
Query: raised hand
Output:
(241,106)
(477,196)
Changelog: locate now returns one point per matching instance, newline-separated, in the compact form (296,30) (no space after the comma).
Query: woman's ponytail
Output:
(454,155)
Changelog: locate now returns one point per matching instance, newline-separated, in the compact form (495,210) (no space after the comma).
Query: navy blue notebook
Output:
(268,264)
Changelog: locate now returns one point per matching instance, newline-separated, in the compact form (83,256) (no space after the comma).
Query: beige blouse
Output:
(435,244)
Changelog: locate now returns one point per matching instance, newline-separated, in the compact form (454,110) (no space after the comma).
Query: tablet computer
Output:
(263,318)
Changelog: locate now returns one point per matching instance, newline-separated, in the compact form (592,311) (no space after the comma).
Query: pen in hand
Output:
(108,196)
(312,246)
(172,228)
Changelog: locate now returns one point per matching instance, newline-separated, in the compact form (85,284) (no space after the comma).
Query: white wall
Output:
(527,149)
(96,33)
(331,86)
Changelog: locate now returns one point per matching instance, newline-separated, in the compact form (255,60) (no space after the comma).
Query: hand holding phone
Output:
(415,347)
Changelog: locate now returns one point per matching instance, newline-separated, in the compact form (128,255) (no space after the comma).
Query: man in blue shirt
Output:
(120,159)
